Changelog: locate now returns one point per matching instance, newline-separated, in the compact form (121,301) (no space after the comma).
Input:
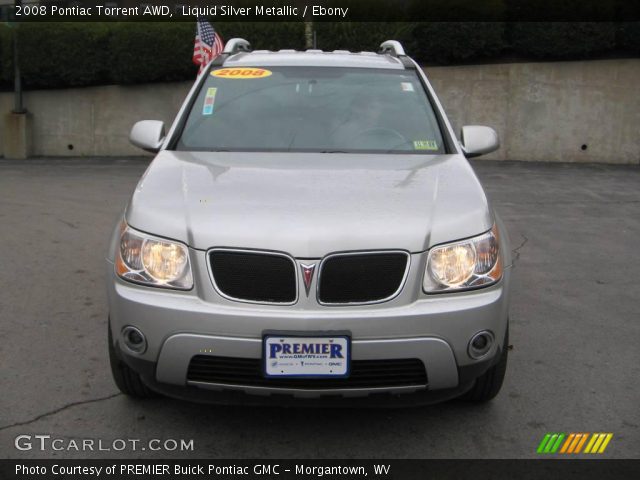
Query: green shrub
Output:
(63,54)
(563,10)
(452,42)
(151,52)
(57,55)
(562,40)
(628,37)
(361,36)
(458,10)
(428,42)
(6,56)
(265,35)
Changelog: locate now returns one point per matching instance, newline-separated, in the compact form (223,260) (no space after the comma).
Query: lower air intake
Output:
(364,374)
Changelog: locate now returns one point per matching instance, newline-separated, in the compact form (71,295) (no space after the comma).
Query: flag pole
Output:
(18,106)
(201,49)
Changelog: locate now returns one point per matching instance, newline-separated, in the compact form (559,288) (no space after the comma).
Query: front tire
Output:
(126,379)
(488,384)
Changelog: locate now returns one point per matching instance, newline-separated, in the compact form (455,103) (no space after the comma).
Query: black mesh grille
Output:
(361,278)
(256,277)
(364,374)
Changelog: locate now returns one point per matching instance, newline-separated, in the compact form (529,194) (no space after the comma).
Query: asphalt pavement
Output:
(575,330)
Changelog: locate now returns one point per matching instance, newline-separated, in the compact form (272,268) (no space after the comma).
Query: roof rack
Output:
(392,47)
(236,45)
(233,46)
(395,49)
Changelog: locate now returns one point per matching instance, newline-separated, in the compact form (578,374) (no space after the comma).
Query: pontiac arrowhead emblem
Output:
(307,275)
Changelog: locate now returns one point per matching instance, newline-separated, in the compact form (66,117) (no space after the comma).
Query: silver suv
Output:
(310,231)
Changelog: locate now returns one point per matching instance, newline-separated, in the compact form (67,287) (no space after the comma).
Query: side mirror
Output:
(148,135)
(477,140)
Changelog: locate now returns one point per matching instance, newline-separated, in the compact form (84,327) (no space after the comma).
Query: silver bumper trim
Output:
(435,353)
(309,392)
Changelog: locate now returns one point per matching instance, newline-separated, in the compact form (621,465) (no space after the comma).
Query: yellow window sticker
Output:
(425,145)
(241,73)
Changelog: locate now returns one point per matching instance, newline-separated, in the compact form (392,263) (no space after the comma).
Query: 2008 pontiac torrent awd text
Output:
(310,232)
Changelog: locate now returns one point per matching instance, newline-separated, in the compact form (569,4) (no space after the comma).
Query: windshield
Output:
(312,109)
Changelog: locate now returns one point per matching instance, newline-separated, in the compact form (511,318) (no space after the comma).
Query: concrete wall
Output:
(548,111)
(542,111)
(95,121)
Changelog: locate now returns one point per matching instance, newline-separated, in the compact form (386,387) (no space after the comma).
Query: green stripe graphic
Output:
(551,443)
(543,442)
(558,442)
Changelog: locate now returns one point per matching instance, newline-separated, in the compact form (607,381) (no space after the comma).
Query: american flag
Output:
(208,44)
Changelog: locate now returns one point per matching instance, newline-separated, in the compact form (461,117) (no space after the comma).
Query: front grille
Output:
(364,374)
(253,276)
(361,278)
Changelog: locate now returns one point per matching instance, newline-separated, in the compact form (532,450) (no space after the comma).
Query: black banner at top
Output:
(326,10)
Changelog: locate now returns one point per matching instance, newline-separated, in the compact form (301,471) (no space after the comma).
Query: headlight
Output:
(467,264)
(153,261)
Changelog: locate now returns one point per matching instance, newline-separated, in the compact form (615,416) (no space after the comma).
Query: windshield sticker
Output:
(246,73)
(209,99)
(425,145)
(407,86)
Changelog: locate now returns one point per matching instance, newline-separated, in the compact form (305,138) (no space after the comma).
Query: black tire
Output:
(488,385)
(126,379)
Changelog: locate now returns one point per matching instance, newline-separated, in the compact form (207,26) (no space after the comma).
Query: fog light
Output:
(480,344)
(134,339)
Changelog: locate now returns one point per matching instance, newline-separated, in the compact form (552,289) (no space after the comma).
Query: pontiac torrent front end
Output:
(310,231)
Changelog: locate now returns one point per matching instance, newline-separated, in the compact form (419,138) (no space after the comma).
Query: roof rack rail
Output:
(236,45)
(233,46)
(392,47)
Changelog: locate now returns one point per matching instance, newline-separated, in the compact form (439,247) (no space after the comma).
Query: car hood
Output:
(309,204)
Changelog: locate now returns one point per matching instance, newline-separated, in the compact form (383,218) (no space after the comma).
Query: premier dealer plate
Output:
(313,356)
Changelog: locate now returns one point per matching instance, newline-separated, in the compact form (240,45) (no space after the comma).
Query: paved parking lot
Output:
(575,329)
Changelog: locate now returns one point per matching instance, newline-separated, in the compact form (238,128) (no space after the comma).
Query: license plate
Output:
(298,356)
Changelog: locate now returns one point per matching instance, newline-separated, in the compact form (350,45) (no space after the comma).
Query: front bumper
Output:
(382,398)
(179,325)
